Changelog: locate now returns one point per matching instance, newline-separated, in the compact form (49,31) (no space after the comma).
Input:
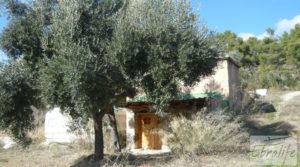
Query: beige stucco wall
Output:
(224,80)
(218,82)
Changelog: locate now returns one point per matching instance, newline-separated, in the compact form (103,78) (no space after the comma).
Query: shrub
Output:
(37,134)
(206,134)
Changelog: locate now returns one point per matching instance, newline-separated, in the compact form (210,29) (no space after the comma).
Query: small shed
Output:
(143,127)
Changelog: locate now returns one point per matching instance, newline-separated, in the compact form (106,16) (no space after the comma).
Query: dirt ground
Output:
(54,155)
(286,121)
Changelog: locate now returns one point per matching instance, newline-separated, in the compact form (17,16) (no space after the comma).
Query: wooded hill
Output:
(271,62)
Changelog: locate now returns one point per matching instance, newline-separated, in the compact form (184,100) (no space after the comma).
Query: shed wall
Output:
(218,82)
(235,93)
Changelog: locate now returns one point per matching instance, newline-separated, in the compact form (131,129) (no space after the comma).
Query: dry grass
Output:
(204,140)
(223,160)
(2,134)
(290,113)
(54,155)
(206,134)
(37,135)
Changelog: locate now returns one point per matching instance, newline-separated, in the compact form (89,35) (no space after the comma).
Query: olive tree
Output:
(95,53)
(17,95)
(21,42)
(79,77)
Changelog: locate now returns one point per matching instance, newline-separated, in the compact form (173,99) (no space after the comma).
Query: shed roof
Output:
(182,96)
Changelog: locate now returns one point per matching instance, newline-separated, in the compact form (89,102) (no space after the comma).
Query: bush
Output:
(206,134)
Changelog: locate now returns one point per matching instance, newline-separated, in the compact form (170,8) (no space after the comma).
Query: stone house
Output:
(218,91)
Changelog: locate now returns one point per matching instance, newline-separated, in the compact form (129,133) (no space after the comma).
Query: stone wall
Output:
(57,127)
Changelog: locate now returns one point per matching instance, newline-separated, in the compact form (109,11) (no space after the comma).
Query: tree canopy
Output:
(158,47)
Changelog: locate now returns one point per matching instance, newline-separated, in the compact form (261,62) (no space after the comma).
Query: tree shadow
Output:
(121,159)
(277,128)
(86,161)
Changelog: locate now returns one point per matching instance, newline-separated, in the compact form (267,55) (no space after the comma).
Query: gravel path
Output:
(286,98)
(289,96)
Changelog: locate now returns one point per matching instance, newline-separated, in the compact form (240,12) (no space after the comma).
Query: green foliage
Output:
(23,35)
(80,77)
(270,62)
(17,94)
(21,40)
(159,43)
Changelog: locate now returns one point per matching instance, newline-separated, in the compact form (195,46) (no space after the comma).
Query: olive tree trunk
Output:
(99,145)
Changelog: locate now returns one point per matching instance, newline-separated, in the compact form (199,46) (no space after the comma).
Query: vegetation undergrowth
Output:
(206,134)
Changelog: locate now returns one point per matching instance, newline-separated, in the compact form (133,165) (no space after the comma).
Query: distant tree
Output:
(248,49)
(293,46)
(269,62)
(230,41)
(270,32)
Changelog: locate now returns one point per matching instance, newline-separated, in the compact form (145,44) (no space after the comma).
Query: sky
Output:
(246,18)
(249,17)
(3,23)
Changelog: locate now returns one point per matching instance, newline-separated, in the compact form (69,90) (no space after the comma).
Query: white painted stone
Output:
(56,127)
(164,150)
(130,131)
(261,92)
(7,142)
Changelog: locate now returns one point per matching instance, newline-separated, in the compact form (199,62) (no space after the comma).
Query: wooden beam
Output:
(141,107)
